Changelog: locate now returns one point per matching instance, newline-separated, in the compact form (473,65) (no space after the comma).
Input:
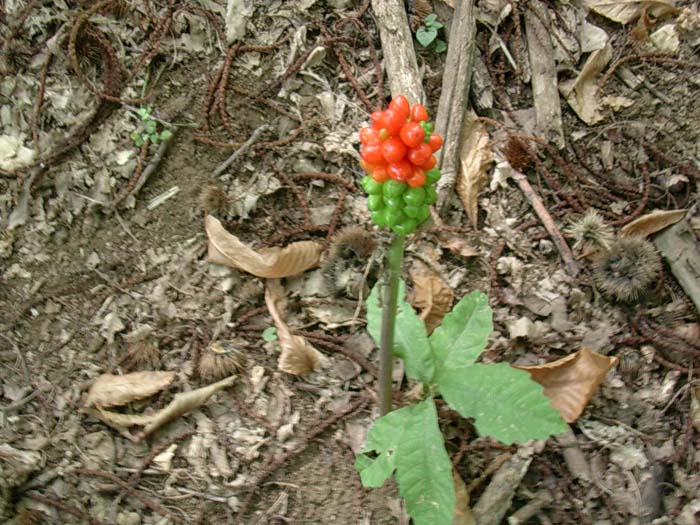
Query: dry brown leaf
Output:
(297,356)
(457,245)
(582,92)
(475,159)
(570,382)
(695,407)
(182,403)
(463,512)
(226,249)
(652,222)
(109,390)
(431,296)
(624,11)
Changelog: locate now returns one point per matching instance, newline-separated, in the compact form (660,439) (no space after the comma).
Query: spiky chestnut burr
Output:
(590,233)
(627,269)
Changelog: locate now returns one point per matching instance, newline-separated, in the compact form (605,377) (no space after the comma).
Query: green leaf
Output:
(425,35)
(154,138)
(410,338)
(430,19)
(463,333)
(137,138)
(409,440)
(440,46)
(504,402)
(270,334)
(144,113)
(165,134)
(150,126)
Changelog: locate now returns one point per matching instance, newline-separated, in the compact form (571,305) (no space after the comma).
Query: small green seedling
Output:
(428,32)
(149,132)
(270,334)
(503,402)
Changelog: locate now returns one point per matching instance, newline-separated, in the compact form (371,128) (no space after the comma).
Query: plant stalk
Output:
(391,294)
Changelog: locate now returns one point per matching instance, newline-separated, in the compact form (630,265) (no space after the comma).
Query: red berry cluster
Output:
(400,143)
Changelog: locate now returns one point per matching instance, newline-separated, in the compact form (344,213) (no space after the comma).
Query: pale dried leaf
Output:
(624,11)
(226,249)
(652,222)
(695,407)
(109,390)
(457,245)
(297,356)
(475,159)
(570,382)
(431,296)
(182,403)
(463,512)
(582,92)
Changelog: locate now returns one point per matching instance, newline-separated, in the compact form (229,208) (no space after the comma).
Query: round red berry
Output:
(400,104)
(418,113)
(420,154)
(372,154)
(435,142)
(393,149)
(401,170)
(412,134)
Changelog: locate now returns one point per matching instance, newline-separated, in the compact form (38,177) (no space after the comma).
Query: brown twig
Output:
(330,345)
(547,221)
(62,506)
(155,507)
(275,462)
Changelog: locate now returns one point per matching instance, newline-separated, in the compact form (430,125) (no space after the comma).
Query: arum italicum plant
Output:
(503,401)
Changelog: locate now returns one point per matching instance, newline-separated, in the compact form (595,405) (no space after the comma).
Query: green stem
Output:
(391,293)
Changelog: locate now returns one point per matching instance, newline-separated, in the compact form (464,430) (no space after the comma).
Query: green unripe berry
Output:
(428,128)
(432,176)
(371,186)
(404,227)
(375,202)
(430,195)
(414,196)
(394,216)
(395,203)
(379,218)
(412,211)
(394,188)
(423,213)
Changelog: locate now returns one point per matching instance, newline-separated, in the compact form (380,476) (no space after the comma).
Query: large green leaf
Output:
(463,333)
(410,338)
(383,438)
(504,402)
(410,441)
(424,470)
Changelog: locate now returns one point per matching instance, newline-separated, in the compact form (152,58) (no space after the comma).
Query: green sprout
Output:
(149,129)
(428,32)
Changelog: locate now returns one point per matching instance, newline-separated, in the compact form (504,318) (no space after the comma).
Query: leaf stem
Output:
(391,293)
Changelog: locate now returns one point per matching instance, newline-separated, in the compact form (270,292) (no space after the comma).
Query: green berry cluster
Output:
(399,206)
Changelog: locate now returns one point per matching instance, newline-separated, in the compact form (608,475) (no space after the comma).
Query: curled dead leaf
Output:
(475,157)
(570,382)
(624,11)
(431,296)
(182,403)
(297,356)
(652,222)
(582,92)
(463,512)
(109,390)
(226,249)
(457,245)
(695,407)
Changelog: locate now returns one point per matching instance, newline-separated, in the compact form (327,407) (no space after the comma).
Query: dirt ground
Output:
(104,269)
